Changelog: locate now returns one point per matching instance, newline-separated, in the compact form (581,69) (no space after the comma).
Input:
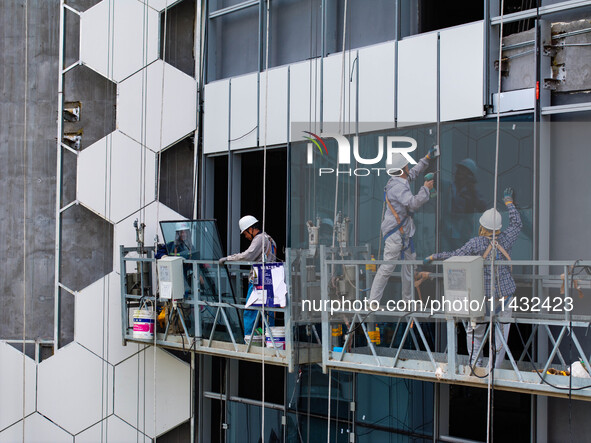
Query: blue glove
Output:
(433,152)
(508,196)
(428,260)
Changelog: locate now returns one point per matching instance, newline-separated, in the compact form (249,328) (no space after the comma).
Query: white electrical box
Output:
(171,280)
(463,284)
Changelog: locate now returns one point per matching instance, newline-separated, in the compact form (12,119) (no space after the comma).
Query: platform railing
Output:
(209,320)
(422,343)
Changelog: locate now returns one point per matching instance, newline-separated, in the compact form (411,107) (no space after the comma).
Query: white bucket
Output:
(278,335)
(143,324)
(257,340)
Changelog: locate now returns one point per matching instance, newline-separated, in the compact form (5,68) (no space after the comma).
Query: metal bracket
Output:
(549,50)
(72,111)
(73,139)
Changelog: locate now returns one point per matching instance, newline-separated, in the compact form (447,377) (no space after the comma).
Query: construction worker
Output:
(182,244)
(505,285)
(398,227)
(261,246)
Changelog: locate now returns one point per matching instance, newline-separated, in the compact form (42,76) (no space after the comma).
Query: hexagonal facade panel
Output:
(112,429)
(119,38)
(151,215)
(116,176)
(75,388)
(154,113)
(11,385)
(134,381)
(98,308)
(87,247)
(38,429)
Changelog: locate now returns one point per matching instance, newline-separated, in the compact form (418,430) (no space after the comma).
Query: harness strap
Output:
(396,216)
(500,248)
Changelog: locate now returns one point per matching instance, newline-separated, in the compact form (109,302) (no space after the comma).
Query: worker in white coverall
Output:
(505,285)
(398,227)
(260,244)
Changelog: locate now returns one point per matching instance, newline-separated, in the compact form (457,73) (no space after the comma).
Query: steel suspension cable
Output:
(264,219)
(492,332)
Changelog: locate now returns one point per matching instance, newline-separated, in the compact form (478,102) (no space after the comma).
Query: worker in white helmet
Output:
(397,226)
(505,285)
(262,248)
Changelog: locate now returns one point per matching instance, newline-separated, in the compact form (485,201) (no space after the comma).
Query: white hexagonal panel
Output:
(38,429)
(75,388)
(118,38)
(111,175)
(124,231)
(160,5)
(134,384)
(145,105)
(112,430)
(98,308)
(11,385)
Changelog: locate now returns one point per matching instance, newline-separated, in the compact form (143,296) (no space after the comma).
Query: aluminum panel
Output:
(74,390)
(462,72)
(339,96)
(116,176)
(215,118)
(377,85)
(119,38)
(113,429)
(38,429)
(11,385)
(304,97)
(134,382)
(276,98)
(417,79)
(156,113)
(98,308)
(243,111)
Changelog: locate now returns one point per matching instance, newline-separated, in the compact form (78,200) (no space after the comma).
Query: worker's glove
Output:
(428,260)
(222,261)
(508,196)
(433,152)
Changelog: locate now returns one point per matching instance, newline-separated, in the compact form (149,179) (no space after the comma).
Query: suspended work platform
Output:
(425,344)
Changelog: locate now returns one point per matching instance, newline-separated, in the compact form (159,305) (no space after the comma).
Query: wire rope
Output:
(265,215)
(492,334)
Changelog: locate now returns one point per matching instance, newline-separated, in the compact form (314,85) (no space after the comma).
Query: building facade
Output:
(179,110)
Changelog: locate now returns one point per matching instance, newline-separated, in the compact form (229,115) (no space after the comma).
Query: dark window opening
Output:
(512,6)
(179,37)
(250,382)
(220,204)
(435,14)
(176,177)
(251,200)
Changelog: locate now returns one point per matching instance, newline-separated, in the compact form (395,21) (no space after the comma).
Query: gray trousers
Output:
(479,332)
(392,250)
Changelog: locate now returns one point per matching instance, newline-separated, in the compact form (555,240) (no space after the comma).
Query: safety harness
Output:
(399,227)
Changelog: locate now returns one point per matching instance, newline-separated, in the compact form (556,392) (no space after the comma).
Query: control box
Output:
(463,287)
(171,280)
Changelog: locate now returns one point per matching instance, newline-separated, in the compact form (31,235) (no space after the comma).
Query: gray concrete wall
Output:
(28,251)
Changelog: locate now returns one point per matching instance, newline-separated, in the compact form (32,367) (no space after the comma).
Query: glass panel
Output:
(295,31)
(199,240)
(395,403)
(245,424)
(233,42)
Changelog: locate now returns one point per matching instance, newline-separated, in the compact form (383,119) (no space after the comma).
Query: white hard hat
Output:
(398,161)
(182,226)
(491,220)
(246,222)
